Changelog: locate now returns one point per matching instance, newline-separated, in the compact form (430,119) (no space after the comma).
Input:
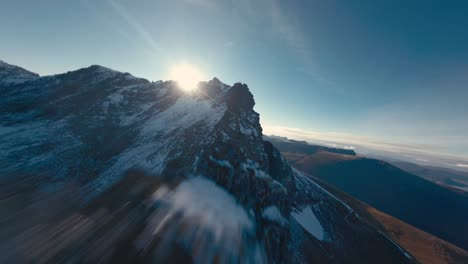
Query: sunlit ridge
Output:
(187,76)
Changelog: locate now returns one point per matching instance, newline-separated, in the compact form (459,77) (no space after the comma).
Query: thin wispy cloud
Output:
(286,27)
(117,27)
(142,32)
(291,32)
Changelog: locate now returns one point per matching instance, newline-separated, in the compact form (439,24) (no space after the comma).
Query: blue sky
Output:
(376,72)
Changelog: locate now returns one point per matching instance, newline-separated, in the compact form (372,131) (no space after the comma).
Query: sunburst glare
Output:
(186,75)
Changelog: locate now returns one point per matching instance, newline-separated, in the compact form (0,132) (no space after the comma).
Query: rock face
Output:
(92,125)
(10,74)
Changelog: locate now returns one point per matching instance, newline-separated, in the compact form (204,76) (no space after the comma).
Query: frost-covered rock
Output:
(11,75)
(92,125)
(273,214)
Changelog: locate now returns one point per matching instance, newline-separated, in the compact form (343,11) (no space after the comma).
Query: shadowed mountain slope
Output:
(419,202)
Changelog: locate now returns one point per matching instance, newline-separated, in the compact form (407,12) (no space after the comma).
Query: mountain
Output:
(290,145)
(425,247)
(11,74)
(457,180)
(101,166)
(416,201)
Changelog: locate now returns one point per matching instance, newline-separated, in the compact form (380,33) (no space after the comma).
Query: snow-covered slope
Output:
(10,74)
(92,125)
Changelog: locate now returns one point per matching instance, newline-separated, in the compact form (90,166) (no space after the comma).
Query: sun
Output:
(187,76)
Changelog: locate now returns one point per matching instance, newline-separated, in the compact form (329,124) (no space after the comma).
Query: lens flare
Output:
(186,75)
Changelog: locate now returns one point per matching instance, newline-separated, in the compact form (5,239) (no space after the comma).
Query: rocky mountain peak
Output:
(11,74)
(240,98)
(205,148)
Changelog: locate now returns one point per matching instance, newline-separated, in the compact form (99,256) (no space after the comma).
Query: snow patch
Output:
(273,214)
(185,112)
(219,227)
(115,98)
(247,130)
(307,219)
(222,163)
(252,165)
(213,206)
(303,177)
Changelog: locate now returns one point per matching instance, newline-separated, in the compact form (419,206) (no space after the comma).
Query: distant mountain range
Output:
(290,145)
(425,247)
(457,180)
(417,201)
(101,166)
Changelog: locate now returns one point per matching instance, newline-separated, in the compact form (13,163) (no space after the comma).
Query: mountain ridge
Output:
(12,74)
(389,189)
(302,146)
(92,126)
